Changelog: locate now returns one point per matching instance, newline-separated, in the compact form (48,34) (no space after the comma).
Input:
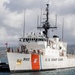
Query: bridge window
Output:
(27,39)
(30,39)
(24,40)
(33,39)
(36,40)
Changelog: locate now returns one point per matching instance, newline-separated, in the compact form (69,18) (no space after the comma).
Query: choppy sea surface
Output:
(69,71)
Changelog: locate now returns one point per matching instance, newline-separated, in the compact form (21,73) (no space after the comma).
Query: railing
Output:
(25,51)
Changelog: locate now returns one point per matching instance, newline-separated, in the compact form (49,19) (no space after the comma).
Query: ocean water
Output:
(69,71)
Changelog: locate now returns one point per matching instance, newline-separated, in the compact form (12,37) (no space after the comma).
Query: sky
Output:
(12,18)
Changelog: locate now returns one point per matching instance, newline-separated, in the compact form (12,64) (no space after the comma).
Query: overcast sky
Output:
(12,18)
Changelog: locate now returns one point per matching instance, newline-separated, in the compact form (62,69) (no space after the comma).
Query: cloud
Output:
(3,33)
(13,20)
(4,36)
(7,18)
(63,7)
(23,4)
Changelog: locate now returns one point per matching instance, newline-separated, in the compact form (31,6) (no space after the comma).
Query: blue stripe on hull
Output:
(40,62)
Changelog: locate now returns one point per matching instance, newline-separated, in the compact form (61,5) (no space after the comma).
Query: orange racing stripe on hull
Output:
(35,61)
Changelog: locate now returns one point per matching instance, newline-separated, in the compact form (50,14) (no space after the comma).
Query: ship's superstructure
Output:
(39,52)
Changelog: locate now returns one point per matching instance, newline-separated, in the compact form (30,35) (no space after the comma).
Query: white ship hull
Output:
(33,62)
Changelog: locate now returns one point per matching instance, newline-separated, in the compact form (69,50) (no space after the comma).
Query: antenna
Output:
(37,20)
(24,25)
(56,20)
(40,17)
(63,30)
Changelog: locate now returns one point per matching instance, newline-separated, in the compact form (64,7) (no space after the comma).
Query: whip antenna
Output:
(63,30)
(56,20)
(24,25)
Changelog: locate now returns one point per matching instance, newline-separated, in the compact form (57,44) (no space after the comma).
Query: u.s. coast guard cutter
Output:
(40,52)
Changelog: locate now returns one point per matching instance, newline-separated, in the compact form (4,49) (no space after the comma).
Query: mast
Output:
(46,26)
